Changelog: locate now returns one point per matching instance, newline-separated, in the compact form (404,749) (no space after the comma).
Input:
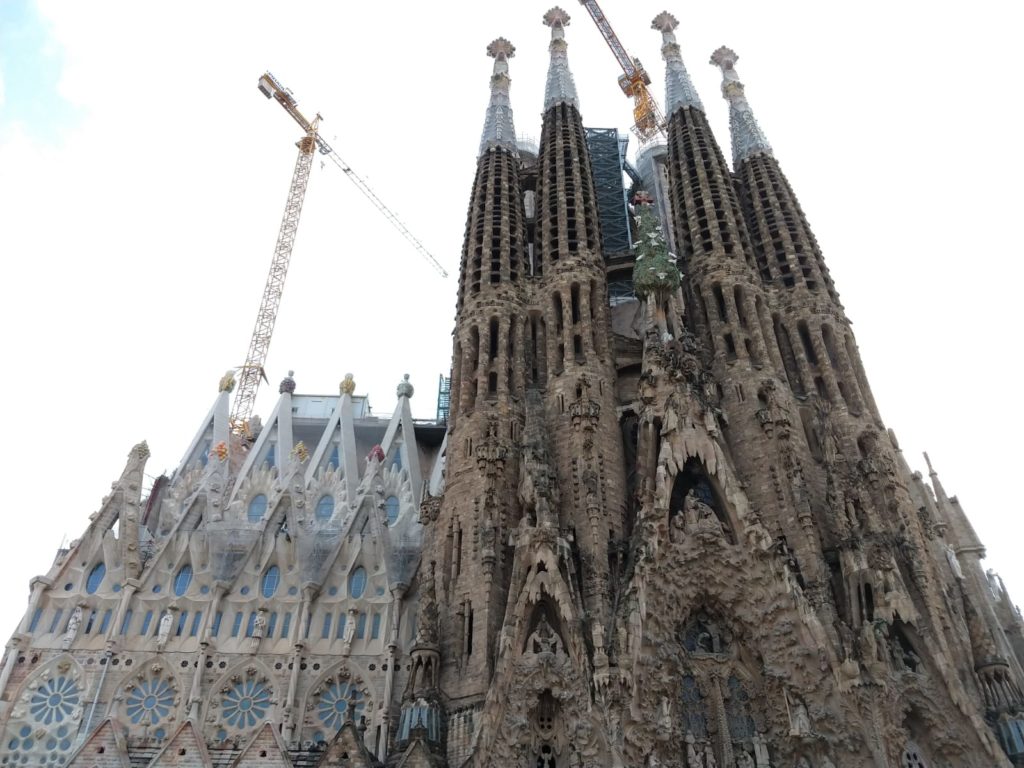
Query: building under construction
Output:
(658,520)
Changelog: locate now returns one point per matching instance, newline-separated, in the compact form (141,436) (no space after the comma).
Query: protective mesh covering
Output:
(406,545)
(230,544)
(316,548)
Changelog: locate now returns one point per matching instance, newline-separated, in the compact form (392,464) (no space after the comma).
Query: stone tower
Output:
(662,528)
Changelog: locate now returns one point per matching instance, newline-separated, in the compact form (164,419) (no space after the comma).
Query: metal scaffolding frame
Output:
(607,155)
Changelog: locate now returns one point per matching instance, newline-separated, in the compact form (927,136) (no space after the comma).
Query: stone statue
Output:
(544,639)
(954,563)
(799,720)
(164,631)
(72,631)
(259,626)
(803,762)
(744,760)
(761,750)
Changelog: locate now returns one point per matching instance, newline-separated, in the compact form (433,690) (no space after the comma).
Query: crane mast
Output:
(648,121)
(252,371)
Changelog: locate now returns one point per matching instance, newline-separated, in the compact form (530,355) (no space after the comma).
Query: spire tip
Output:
(665,22)
(501,48)
(556,17)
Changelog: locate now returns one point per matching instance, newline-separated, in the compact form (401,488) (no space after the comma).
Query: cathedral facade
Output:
(659,523)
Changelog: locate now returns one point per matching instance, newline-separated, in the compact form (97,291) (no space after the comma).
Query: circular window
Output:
(95,578)
(392,508)
(325,508)
(257,508)
(271,579)
(182,580)
(357,582)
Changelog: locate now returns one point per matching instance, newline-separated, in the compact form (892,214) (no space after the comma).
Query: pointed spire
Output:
(679,90)
(560,89)
(747,137)
(499,130)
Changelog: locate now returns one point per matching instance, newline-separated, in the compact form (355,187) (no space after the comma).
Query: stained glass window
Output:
(694,708)
(182,580)
(149,702)
(95,578)
(737,709)
(392,508)
(55,700)
(325,507)
(246,703)
(271,578)
(334,703)
(257,508)
(357,583)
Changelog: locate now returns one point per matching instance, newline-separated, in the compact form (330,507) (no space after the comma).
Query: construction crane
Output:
(252,372)
(648,120)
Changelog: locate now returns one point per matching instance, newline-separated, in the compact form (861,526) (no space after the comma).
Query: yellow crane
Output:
(648,120)
(251,372)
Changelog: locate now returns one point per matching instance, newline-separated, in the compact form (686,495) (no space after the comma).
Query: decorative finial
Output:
(501,48)
(556,17)
(405,389)
(679,90)
(287,384)
(348,385)
(301,452)
(560,88)
(376,453)
(499,130)
(227,382)
(747,137)
(928,461)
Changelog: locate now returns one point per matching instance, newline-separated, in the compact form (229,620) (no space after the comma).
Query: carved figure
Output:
(259,626)
(744,760)
(544,639)
(954,563)
(799,720)
(72,631)
(761,750)
(164,631)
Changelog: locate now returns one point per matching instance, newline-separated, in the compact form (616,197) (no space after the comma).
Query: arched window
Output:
(357,582)
(392,508)
(325,507)
(271,578)
(257,508)
(737,710)
(182,580)
(95,578)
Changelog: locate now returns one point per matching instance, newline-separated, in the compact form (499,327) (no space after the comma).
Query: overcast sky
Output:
(143,176)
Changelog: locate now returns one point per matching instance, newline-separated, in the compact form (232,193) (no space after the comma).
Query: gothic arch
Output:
(695,493)
(327,702)
(45,716)
(241,700)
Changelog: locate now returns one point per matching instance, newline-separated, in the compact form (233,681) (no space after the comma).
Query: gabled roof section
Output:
(418,755)
(340,432)
(264,750)
(105,748)
(277,433)
(186,747)
(347,750)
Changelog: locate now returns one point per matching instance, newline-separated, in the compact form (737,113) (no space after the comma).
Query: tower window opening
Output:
(819,385)
(458,551)
(577,348)
(741,310)
(474,348)
(719,302)
(730,346)
(469,631)
(493,339)
(574,294)
(492,383)
(805,340)
(559,358)
(556,301)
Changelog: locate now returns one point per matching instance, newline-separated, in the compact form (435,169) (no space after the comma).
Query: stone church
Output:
(659,522)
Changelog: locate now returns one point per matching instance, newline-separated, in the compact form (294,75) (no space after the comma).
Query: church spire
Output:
(747,137)
(499,130)
(679,90)
(560,86)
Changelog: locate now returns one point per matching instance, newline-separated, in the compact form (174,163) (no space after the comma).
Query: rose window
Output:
(55,700)
(150,702)
(332,708)
(24,747)
(246,704)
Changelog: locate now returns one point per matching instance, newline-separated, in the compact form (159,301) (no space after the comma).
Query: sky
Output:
(143,177)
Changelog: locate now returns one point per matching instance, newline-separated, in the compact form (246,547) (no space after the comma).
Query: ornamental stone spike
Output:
(499,130)
(560,88)
(747,137)
(679,90)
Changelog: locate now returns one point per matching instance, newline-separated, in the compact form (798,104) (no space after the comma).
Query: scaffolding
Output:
(444,398)
(607,156)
